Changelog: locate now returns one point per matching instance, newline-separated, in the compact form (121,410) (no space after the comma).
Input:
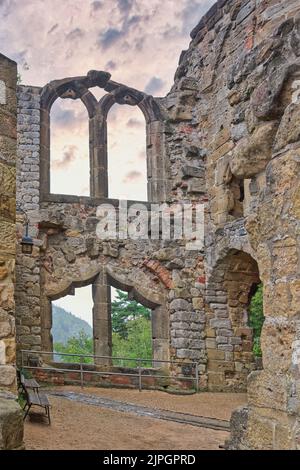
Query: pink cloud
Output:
(132,176)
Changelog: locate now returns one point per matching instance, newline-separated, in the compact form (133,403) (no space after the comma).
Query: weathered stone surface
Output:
(11,425)
(7,376)
(238,426)
(288,131)
(252,154)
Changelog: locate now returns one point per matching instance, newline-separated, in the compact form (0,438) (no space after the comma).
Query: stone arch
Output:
(67,287)
(131,97)
(101,279)
(72,88)
(78,88)
(229,289)
(156,164)
(152,300)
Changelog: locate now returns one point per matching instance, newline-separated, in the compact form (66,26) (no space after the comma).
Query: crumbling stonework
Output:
(11,422)
(245,119)
(226,136)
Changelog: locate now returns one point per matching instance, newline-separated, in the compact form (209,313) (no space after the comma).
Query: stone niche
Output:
(11,417)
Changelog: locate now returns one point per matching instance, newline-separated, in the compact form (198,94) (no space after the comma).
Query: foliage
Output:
(21,399)
(256,319)
(124,310)
(137,344)
(131,326)
(79,344)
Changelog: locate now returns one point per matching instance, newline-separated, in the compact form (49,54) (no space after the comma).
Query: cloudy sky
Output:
(137,41)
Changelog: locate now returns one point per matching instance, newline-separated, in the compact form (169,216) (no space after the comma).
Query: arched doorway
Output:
(232,284)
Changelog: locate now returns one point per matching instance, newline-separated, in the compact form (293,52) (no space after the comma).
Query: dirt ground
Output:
(80,426)
(213,405)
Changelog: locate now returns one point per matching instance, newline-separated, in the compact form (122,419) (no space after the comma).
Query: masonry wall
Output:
(11,423)
(241,122)
(67,255)
(7,222)
(28,321)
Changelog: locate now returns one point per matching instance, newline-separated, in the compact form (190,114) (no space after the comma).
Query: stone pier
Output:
(11,418)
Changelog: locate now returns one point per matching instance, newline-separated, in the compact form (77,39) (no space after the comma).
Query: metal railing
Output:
(107,361)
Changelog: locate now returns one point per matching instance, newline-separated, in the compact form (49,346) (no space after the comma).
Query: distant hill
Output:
(66,325)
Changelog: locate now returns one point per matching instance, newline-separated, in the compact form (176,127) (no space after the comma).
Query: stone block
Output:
(220,366)
(11,425)
(217,323)
(215,379)
(211,343)
(198,303)
(193,171)
(5,328)
(215,354)
(180,304)
(7,376)
(2,353)
(197,186)
(260,432)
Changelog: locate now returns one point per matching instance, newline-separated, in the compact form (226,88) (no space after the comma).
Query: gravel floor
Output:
(80,426)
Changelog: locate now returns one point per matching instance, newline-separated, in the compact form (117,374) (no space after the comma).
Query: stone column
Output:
(102,331)
(160,335)
(46,325)
(98,156)
(156,162)
(11,423)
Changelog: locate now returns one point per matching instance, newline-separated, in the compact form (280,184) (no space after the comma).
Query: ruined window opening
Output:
(69,148)
(237,192)
(72,329)
(131,330)
(242,191)
(127,162)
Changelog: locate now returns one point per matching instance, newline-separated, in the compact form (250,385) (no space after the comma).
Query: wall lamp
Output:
(27,241)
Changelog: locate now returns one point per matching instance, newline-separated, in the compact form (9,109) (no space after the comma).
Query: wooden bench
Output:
(29,383)
(34,398)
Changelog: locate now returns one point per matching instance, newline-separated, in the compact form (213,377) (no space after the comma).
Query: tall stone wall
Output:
(67,254)
(237,90)
(11,423)
(28,321)
(7,222)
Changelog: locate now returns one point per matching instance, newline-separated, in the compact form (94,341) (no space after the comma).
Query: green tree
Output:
(256,319)
(132,336)
(124,310)
(80,344)
(137,344)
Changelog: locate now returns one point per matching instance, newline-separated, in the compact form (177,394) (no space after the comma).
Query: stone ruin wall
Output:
(244,116)
(68,255)
(229,137)
(11,420)
(201,137)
